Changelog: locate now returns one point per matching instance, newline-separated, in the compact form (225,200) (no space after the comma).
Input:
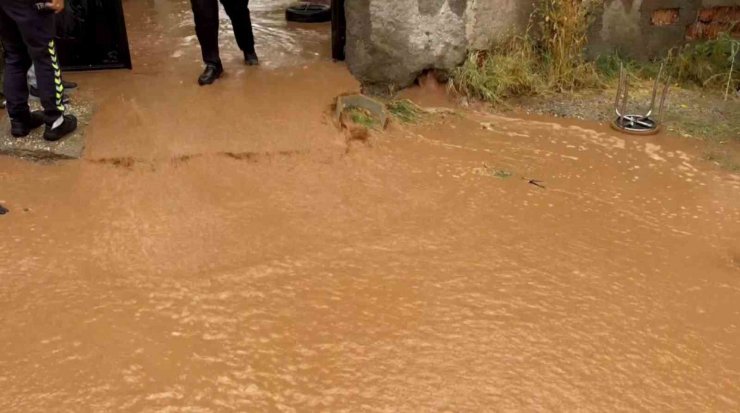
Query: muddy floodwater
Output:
(227,249)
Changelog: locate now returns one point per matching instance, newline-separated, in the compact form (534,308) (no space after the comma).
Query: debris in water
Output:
(537,183)
(372,106)
(493,172)
(487,126)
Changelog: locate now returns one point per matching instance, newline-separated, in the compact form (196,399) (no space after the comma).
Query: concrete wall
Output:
(492,20)
(389,43)
(628,26)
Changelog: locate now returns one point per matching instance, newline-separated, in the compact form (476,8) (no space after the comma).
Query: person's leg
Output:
(2,75)
(33,86)
(32,78)
(38,36)
(238,11)
(17,62)
(37,30)
(206,28)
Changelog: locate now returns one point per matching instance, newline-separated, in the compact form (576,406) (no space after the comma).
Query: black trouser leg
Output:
(206,27)
(28,37)
(338,30)
(238,11)
(17,62)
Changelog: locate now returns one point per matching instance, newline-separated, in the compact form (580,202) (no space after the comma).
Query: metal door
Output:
(91,34)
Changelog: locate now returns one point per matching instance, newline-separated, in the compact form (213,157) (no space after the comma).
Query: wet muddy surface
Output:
(226,249)
(169,25)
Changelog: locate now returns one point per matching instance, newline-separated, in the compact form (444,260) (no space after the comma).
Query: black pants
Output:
(206,26)
(28,38)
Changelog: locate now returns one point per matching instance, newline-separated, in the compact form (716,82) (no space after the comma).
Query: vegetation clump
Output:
(404,110)
(549,57)
(363,117)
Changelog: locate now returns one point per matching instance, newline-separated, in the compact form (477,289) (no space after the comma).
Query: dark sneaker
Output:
(35,94)
(210,74)
(251,59)
(68,126)
(23,125)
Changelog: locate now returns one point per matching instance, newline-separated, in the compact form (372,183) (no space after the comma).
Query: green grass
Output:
(712,64)
(545,59)
(549,58)
(608,66)
(563,28)
(404,110)
(716,124)
(363,118)
(507,70)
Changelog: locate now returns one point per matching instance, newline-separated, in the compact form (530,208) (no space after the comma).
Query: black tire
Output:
(306,12)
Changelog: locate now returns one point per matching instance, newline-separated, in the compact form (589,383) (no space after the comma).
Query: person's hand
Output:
(56,5)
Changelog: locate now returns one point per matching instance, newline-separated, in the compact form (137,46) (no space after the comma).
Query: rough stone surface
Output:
(489,21)
(389,44)
(34,147)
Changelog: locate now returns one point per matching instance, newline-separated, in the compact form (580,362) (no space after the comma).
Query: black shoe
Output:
(68,126)
(34,92)
(210,75)
(251,59)
(23,125)
(69,85)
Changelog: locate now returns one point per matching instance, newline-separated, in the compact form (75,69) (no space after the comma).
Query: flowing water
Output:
(227,249)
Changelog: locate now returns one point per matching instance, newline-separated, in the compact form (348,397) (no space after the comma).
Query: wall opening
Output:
(665,17)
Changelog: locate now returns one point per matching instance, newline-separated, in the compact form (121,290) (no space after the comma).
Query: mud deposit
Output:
(225,249)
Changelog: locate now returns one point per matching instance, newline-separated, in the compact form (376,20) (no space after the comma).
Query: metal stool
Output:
(636,124)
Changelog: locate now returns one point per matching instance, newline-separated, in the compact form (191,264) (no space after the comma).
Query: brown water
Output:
(225,249)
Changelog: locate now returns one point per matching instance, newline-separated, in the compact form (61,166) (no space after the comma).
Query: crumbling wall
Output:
(645,29)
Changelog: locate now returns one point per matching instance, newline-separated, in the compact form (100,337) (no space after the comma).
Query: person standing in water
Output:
(206,27)
(27,31)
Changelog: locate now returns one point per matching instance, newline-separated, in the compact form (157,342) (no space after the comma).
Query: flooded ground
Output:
(226,249)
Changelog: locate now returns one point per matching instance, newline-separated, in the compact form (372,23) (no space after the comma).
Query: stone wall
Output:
(390,43)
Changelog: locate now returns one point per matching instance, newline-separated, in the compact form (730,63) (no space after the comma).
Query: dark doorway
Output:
(91,35)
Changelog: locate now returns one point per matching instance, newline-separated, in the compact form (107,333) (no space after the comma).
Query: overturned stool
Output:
(637,124)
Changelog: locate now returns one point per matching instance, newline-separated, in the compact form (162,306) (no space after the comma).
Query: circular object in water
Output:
(307,12)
